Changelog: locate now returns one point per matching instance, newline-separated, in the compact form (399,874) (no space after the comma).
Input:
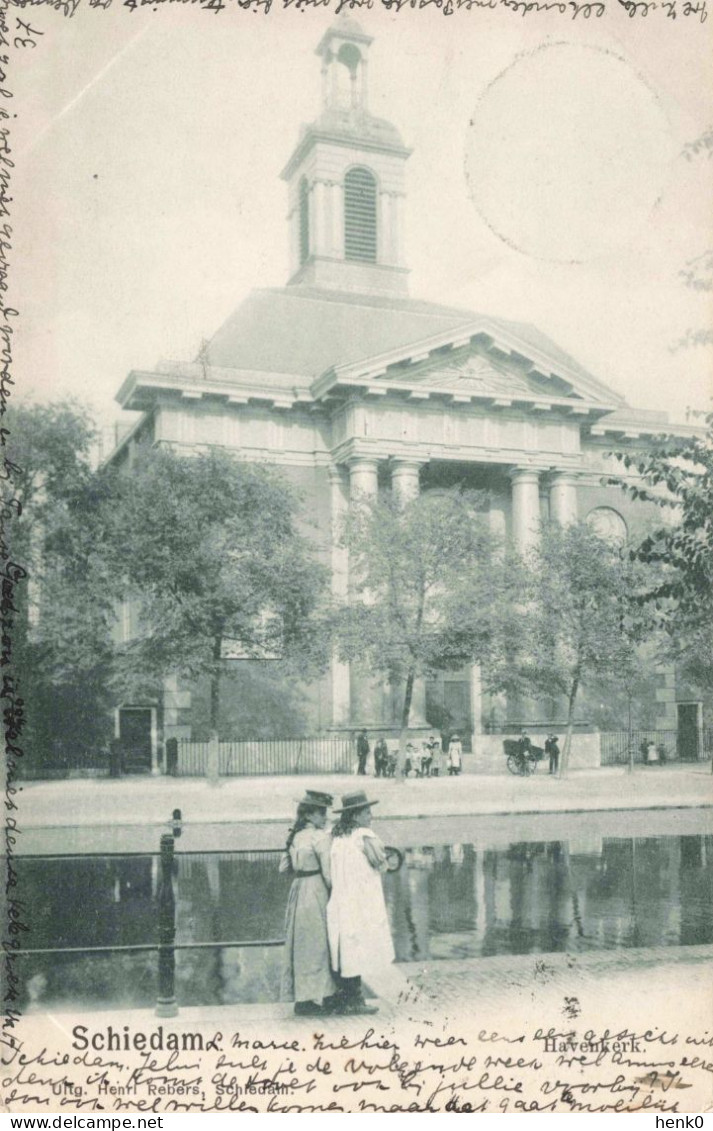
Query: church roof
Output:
(305,332)
(343,27)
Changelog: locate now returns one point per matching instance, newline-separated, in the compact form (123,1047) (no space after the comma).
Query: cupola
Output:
(346,181)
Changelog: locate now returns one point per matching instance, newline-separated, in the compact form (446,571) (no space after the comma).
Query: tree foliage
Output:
(208,548)
(205,546)
(583,618)
(677,478)
(63,636)
(697,273)
(51,463)
(426,587)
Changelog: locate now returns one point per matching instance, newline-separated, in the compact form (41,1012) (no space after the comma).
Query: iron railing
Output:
(624,747)
(166,945)
(332,754)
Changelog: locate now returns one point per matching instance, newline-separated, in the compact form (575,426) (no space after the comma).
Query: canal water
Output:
(445,902)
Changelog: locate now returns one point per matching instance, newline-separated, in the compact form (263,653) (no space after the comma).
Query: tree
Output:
(208,549)
(676,476)
(71,638)
(414,567)
(583,618)
(697,273)
(258,700)
(51,446)
(62,631)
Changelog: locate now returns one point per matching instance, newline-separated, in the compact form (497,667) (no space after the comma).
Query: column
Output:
(406,485)
(363,478)
(405,481)
(563,509)
(525,531)
(365,694)
(399,242)
(563,498)
(312,220)
(497,522)
(525,507)
(328,240)
(337,193)
(325,83)
(384,229)
(294,230)
(334,82)
(364,86)
(318,233)
(340,589)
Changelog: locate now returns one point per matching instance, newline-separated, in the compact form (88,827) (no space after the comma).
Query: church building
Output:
(350,385)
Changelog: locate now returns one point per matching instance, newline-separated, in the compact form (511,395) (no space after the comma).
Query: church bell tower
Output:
(346,181)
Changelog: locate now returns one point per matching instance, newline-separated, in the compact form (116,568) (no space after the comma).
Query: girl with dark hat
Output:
(307,977)
(359,933)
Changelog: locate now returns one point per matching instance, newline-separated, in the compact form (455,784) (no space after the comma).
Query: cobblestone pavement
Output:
(443,985)
(499,986)
(481,1025)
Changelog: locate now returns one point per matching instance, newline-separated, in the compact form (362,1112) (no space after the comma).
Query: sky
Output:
(547,182)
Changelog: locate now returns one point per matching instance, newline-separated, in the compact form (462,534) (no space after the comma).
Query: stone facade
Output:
(351,387)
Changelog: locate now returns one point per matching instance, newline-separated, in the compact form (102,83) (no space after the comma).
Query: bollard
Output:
(177,825)
(166,1001)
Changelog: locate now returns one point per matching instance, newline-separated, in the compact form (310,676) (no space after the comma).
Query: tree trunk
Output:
(630,737)
(213,761)
(564,757)
(403,733)
(215,685)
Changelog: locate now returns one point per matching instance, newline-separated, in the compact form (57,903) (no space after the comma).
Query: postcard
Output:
(346,347)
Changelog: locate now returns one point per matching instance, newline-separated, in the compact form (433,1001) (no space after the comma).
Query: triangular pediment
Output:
(483,360)
(472,371)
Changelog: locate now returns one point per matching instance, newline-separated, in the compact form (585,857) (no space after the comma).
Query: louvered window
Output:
(304,221)
(360,215)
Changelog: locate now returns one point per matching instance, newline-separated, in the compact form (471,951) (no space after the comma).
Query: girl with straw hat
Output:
(307,978)
(357,923)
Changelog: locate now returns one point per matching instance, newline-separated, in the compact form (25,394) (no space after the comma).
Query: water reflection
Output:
(447,902)
(537,898)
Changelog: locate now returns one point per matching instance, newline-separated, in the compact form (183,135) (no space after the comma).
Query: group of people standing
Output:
(336,929)
(430,761)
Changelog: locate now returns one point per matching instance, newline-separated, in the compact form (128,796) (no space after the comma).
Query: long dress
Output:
(359,932)
(306,973)
(455,754)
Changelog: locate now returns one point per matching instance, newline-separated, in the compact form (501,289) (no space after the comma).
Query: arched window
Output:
(304,221)
(608,525)
(360,215)
(347,92)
